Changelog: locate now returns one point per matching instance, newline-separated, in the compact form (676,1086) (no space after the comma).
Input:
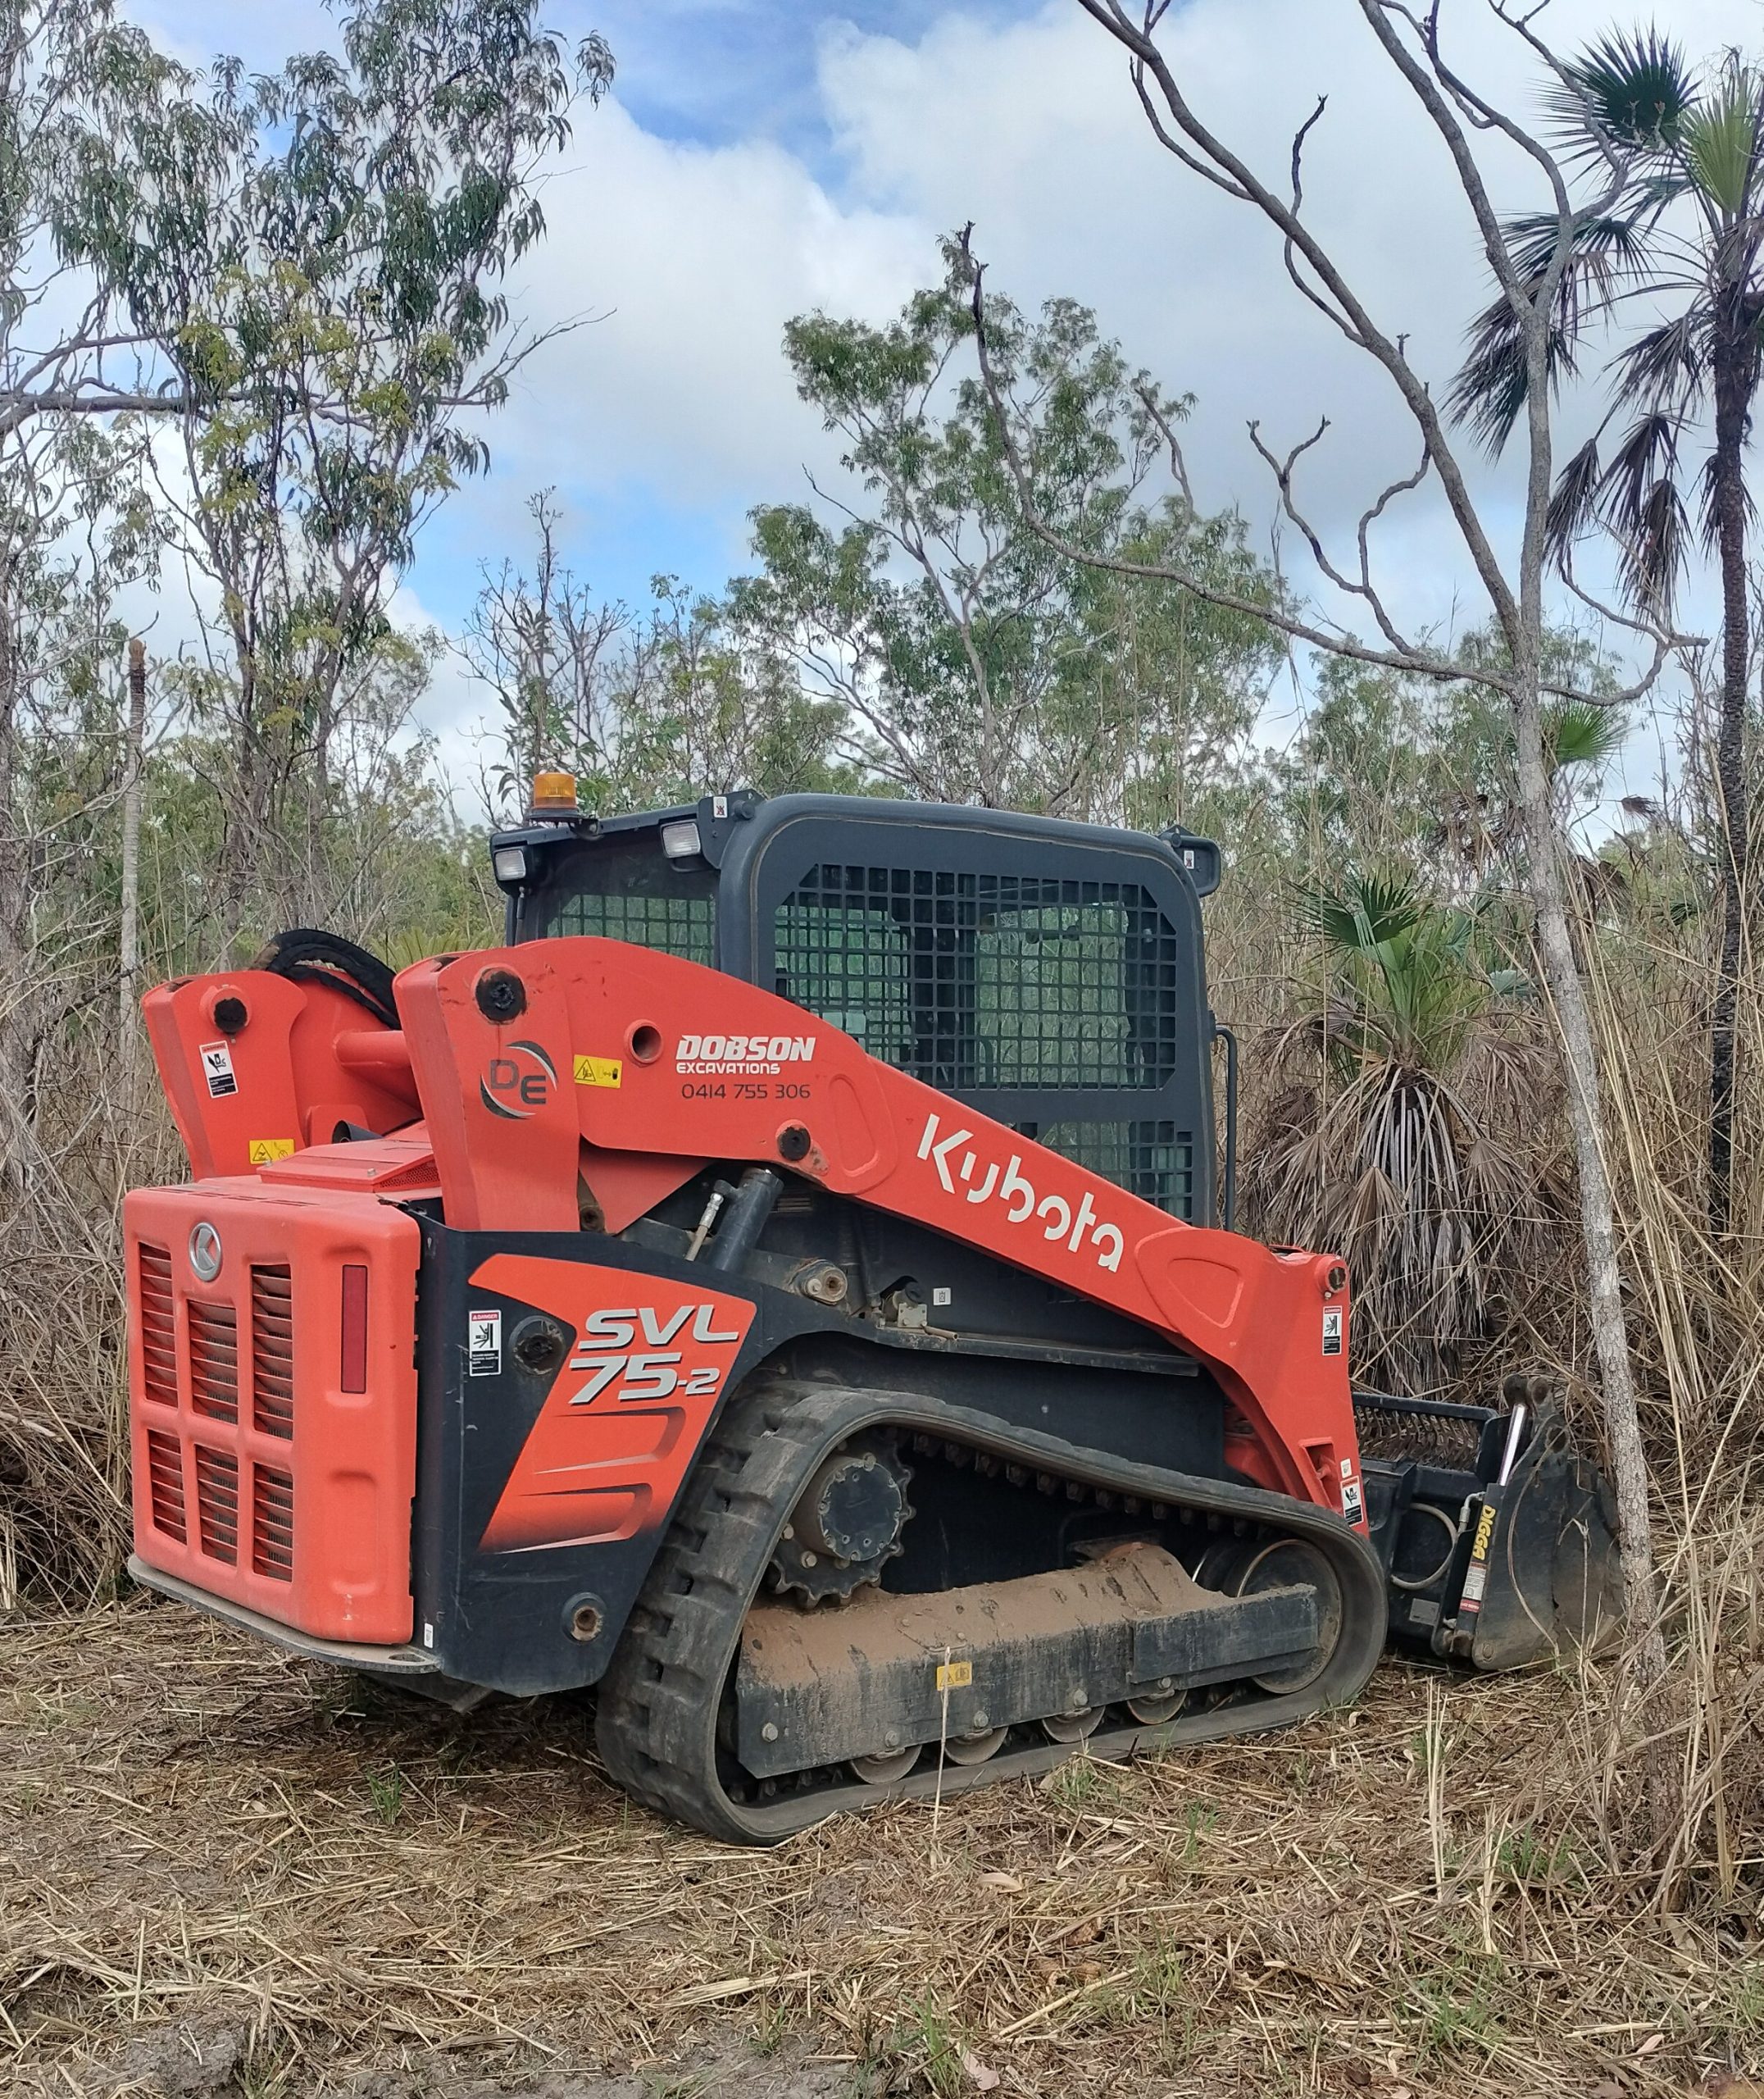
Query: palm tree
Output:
(1686,235)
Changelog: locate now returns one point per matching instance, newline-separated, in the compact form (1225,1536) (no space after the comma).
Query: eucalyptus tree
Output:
(74,527)
(303,273)
(971,662)
(1672,254)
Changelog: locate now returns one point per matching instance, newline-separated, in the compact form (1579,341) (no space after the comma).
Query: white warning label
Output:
(1332,1330)
(484,1343)
(217,1069)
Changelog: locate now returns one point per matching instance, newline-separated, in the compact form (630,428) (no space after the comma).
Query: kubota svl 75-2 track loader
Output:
(781,1286)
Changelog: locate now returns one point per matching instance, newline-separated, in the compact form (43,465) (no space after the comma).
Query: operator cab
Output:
(1051,975)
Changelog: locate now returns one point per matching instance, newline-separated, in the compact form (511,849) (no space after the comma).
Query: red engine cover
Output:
(272,1399)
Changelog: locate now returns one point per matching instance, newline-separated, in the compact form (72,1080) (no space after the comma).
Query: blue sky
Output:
(758,159)
(716,71)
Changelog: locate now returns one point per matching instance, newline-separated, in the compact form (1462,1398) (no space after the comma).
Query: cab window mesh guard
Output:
(974,980)
(1017,982)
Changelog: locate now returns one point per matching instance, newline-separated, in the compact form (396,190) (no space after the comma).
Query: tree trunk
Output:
(1561,971)
(128,942)
(17,999)
(1729,507)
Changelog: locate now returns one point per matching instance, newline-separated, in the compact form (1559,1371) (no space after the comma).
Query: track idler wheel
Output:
(1156,1707)
(976,1747)
(1288,1563)
(1072,1727)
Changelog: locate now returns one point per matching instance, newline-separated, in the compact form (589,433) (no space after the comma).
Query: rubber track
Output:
(660,1699)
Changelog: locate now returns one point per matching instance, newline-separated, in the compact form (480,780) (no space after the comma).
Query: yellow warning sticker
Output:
(599,1070)
(954,1676)
(263,1150)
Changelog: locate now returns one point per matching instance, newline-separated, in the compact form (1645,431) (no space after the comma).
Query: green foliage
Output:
(645,707)
(1406,768)
(970,661)
(385,1789)
(1408,982)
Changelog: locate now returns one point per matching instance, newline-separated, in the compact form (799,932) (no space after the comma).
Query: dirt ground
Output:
(225,1871)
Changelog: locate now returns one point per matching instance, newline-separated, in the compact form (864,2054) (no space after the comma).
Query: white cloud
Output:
(696,256)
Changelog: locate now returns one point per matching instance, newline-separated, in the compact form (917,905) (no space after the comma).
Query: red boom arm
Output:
(587,1058)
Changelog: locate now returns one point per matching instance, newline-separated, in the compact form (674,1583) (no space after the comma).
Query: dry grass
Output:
(208,1852)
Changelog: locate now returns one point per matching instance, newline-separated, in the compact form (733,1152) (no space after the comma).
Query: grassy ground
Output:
(221,1871)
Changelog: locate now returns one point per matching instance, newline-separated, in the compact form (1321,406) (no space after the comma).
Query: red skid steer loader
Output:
(782,1287)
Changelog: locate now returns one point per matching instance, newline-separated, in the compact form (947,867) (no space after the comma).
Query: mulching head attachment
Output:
(1498,1541)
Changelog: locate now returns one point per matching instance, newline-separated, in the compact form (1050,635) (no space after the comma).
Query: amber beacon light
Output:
(554,795)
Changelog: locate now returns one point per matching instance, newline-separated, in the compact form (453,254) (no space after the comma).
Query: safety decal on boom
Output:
(217,1069)
(1332,1324)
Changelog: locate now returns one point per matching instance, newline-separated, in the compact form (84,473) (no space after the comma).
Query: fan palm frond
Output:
(1579,733)
(1663,368)
(1574,504)
(1366,913)
(1641,501)
(1719,140)
(1634,88)
(1606,249)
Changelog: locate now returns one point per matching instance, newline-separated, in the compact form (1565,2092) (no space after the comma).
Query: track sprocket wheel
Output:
(846,1525)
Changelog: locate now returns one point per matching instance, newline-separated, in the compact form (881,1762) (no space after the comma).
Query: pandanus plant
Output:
(1393,1145)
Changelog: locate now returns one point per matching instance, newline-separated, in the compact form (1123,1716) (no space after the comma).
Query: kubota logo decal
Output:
(745,1056)
(958,1168)
(518,1084)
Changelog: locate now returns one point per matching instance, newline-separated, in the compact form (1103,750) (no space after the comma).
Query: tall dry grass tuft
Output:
(1698,1320)
(63,1427)
(1696,1309)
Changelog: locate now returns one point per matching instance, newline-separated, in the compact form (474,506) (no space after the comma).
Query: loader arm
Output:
(566,1060)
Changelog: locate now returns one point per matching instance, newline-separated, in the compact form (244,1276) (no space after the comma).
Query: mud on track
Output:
(222,1871)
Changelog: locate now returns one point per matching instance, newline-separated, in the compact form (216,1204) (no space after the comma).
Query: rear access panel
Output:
(272,1400)
(567,1383)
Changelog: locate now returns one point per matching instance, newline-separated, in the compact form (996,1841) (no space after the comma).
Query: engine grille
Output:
(159,1329)
(208,1384)
(272,1351)
(217,1503)
(272,1523)
(214,1360)
(165,1475)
